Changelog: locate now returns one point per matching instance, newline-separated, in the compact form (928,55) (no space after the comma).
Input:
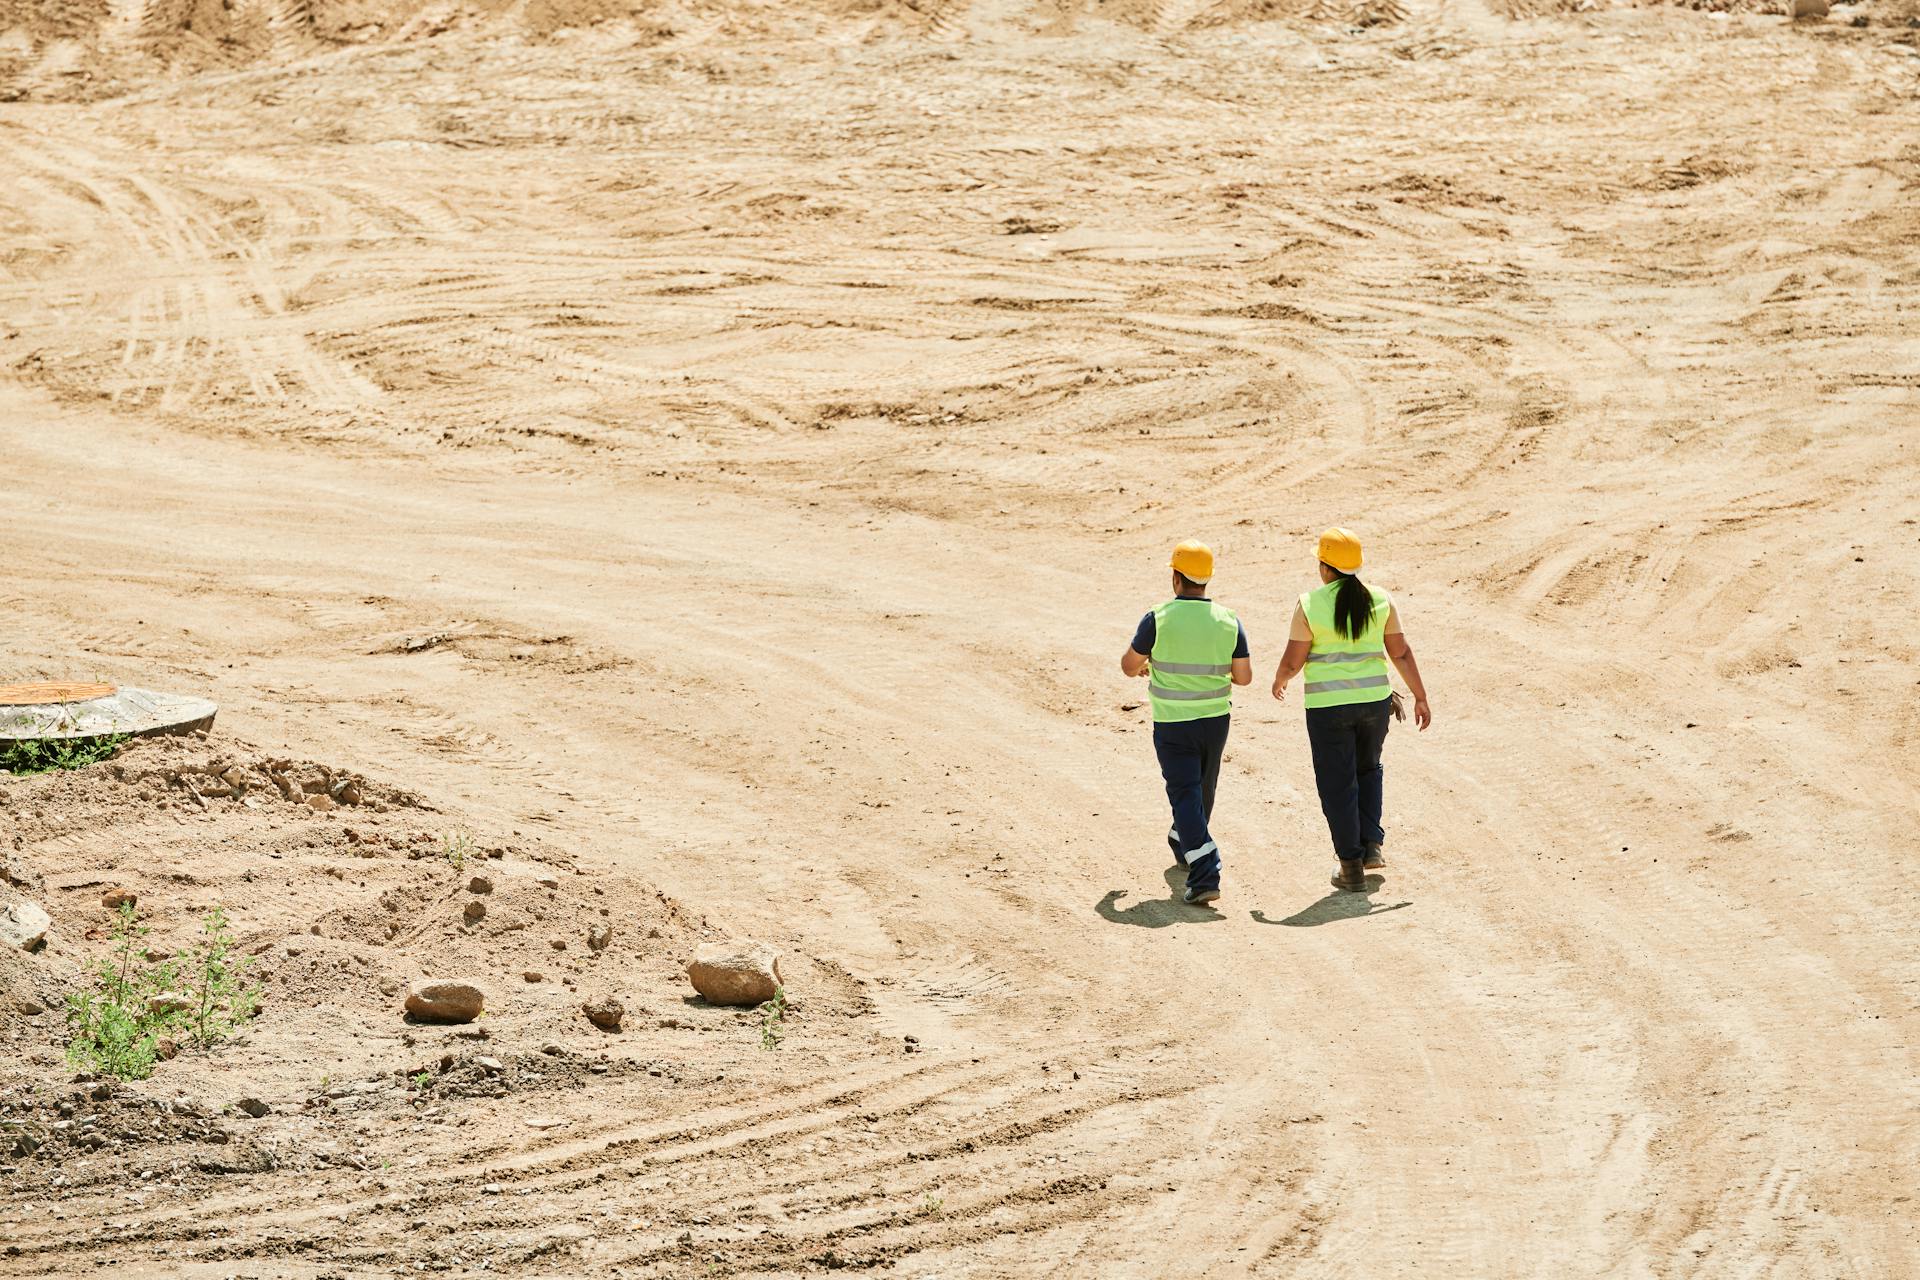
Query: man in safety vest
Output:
(1192,651)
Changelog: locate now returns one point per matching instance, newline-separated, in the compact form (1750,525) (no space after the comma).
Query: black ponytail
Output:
(1352,606)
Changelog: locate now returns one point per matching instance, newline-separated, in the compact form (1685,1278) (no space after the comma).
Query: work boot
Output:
(1351,877)
(1374,861)
(1200,897)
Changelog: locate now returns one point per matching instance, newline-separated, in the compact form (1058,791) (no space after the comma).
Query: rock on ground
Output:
(23,924)
(735,972)
(604,1012)
(445,1001)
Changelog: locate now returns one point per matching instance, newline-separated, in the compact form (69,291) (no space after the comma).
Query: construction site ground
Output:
(698,467)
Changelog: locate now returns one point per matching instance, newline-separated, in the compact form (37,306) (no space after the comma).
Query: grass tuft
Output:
(44,755)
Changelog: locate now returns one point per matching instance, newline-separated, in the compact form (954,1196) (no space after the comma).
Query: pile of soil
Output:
(340,890)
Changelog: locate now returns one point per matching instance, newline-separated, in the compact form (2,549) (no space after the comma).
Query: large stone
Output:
(169,1002)
(604,1012)
(738,971)
(23,924)
(445,1001)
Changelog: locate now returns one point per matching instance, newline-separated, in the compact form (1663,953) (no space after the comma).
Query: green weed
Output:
(216,980)
(114,1030)
(44,755)
(773,1020)
(457,847)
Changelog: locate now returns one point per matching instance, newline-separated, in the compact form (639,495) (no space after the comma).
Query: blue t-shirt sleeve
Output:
(1240,646)
(1143,635)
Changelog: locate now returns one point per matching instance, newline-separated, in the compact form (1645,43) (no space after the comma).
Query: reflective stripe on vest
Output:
(1342,670)
(1194,668)
(1182,695)
(1191,664)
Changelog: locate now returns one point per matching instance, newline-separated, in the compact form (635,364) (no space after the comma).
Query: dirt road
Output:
(785,435)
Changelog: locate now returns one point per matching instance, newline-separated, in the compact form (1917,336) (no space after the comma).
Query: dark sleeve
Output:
(1240,646)
(1143,635)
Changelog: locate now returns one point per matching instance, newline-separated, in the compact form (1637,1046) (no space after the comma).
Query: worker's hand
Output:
(1279,691)
(1422,715)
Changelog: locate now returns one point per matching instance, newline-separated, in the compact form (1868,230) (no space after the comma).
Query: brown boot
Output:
(1351,877)
(1374,861)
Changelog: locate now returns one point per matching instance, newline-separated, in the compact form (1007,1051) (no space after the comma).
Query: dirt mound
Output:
(340,889)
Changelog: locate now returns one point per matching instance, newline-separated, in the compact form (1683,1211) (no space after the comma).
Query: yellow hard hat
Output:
(1341,549)
(1193,561)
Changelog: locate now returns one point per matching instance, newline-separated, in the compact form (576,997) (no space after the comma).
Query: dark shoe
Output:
(1374,861)
(1351,877)
(1199,897)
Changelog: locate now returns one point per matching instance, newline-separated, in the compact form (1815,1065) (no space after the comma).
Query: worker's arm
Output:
(1402,654)
(1243,670)
(1132,663)
(1292,662)
(1294,659)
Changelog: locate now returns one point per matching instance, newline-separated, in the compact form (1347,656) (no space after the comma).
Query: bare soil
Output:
(711,455)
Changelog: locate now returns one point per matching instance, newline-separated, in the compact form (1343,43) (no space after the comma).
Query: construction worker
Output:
(1342,635)
(1189,649)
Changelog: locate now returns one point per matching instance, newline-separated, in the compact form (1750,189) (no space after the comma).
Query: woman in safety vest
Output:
(1343,633)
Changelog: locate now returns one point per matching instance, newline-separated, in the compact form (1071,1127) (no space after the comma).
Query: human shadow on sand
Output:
(1338,905)
(1156,913)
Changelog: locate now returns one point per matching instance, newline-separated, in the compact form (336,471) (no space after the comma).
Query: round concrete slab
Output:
(134,711)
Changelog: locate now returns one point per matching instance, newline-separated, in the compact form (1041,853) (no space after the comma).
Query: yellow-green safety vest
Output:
(1191,672)
(1342,671)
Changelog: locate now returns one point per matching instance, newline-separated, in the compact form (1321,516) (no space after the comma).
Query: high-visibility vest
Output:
(1190,676)
(1342,671)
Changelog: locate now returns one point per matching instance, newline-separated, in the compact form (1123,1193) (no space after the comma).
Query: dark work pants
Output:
(1190,752)
(1346,745)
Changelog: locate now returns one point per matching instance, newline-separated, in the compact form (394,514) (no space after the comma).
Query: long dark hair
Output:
(1352,605)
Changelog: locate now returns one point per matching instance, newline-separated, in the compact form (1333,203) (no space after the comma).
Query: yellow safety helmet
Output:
(1341,549)
(1193,561)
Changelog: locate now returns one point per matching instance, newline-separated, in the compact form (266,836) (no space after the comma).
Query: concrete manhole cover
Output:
(67,710)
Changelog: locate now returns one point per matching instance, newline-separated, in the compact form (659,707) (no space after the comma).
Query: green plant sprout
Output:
(773,1018)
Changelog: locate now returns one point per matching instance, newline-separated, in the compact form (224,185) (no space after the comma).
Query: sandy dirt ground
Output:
(777,419)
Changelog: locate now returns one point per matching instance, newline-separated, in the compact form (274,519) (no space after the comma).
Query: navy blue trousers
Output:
(1190,752)
(1346,744)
